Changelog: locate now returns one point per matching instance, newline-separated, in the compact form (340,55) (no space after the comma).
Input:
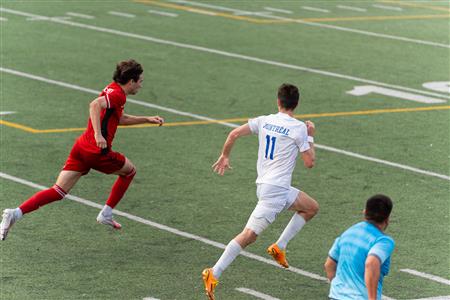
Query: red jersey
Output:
(109,119)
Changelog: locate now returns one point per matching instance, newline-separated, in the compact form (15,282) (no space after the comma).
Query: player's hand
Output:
(222,164)
(311,128)
(156,120)
(100,140)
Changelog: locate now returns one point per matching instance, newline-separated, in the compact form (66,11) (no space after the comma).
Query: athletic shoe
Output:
(108,220)
(278,254)
(9,218)
(210,282)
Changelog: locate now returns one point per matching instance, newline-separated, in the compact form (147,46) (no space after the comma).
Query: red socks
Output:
(42,198)
(119,188)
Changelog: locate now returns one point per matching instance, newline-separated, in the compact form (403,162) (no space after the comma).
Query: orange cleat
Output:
(210,283)
(278,254)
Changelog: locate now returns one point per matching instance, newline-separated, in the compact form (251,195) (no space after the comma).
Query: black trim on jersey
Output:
(106,117)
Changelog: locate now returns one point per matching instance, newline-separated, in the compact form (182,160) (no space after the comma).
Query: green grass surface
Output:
(60,252)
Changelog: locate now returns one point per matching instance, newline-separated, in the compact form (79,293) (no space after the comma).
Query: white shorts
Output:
(271,201)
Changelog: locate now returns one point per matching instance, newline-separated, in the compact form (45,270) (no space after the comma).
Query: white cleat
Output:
(108,220)
(9,218)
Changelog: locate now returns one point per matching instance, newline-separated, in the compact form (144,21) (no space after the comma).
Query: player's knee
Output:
(313,210)
(246,237)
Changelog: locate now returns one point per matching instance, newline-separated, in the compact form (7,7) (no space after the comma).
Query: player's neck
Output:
(285,111)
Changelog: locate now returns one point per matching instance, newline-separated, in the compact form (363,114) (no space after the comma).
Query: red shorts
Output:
(82,161)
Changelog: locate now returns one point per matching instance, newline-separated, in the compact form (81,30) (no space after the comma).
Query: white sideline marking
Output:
(387,7)
(317,24)
(436,298)
(352,8)
(95,92)
(162,13)
(284,11)
(383,297)
(255,293)
(315,9)
(83,16)
(427,276)
(150,298)
(223,53)
(199,117)
(255,13)
(43,18)
(166,228)
(3,113)
(121,14)
(3,19)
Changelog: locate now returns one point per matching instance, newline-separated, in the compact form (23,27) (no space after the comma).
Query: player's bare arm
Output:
(134,120)
(372,276)
(330,268)
(95,109)
(309,156)
(223,163)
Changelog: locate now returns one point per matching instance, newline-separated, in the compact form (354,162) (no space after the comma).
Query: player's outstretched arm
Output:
(134,120)
(372,275)
(223,163)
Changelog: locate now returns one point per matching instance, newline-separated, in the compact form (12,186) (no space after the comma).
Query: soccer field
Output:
(374,77)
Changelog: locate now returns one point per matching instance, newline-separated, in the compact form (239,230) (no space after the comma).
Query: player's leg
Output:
(66,180)
(126,174)
(235,246)
(305,208)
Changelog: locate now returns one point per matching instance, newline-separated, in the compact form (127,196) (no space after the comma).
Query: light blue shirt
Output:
(350,251)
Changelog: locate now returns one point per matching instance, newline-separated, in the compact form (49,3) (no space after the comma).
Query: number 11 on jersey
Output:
(272,148)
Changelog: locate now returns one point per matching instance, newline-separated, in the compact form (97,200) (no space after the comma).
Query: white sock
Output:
(231,252)
(295,225)
(107,210)
(18,213)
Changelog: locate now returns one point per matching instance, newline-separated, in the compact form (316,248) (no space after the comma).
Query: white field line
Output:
(315,9)
(427,276)
(96,92)
(383,297)
(121,14)
(283,11)
(2,113)
(42,18)
(317,24)
(83,16)
(387,7)
(200,117)
(162,13)
(255,293)
(436,298)
(3,19)
(224,53)
(353,8)
(166,228)
(150,298)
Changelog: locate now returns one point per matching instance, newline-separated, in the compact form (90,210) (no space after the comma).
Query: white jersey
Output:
(281,138)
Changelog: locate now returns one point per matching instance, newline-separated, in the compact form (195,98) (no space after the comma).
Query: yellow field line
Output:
(190,123)
(270,21)
(375,18)
(416,5)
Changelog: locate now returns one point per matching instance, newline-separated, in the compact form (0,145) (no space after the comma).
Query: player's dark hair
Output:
(288,95)
(378,208)
(127,70)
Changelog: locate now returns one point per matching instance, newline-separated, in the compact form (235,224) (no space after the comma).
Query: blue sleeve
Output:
(382,248)
(335,250)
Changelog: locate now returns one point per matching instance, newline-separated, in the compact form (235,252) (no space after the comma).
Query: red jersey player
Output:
(92,150)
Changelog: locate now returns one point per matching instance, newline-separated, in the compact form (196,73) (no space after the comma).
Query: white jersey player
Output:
(281,139)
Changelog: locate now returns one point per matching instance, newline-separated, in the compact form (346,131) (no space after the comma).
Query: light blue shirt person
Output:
(359,259)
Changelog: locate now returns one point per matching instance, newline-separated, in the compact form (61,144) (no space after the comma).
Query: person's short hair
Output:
(127,70)
(288,95)
(378,208)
